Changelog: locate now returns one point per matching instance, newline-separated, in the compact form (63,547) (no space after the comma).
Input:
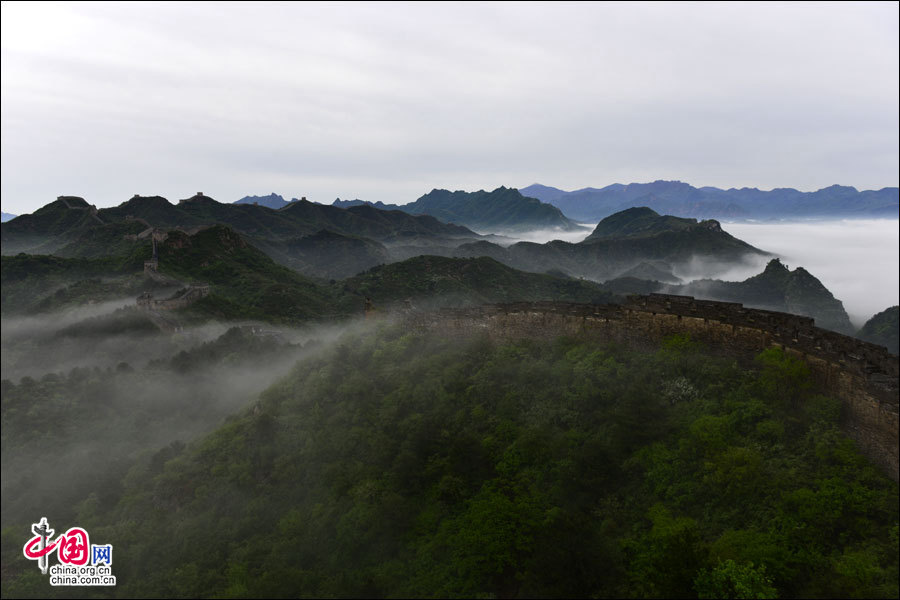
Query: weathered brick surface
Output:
(862,375)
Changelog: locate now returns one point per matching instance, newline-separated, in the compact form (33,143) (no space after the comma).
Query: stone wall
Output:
(184,299)
(862,375)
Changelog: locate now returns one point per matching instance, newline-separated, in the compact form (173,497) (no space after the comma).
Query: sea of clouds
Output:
(857,260)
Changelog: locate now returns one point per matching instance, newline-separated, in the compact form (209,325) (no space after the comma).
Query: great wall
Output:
(863,376)
(92,210)
(181,299)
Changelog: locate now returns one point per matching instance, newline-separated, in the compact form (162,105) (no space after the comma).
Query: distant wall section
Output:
(181,299)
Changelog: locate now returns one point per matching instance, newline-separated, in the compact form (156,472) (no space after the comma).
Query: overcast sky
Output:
(387,101)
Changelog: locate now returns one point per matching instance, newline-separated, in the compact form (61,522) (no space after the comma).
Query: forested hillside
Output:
(394,464)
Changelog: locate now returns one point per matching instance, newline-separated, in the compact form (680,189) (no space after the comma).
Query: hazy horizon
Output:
(289,197)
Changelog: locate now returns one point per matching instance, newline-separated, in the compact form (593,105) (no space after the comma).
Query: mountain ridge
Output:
(503,209)
(65,222)
(776,288)
(622,242)
(676,197)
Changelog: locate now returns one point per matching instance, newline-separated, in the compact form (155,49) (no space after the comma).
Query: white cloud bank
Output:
(857,260)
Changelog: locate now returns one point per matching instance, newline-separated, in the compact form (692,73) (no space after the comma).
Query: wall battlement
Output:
(862,375)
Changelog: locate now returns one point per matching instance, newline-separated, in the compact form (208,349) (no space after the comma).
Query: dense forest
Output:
(391,463)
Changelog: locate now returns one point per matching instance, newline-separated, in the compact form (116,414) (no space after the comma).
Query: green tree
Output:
(733,580)
(784,378)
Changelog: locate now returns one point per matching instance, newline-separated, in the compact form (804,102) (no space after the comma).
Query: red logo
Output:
(72,547)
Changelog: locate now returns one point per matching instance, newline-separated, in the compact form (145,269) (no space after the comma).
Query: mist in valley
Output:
(857,260)
(707,267)
(542,236)
(80,412)
(80,337)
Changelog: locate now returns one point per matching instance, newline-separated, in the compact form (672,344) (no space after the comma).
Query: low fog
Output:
(857,260)
(69,432)
(36,345)
(542,236)
(704,267)
(29,326)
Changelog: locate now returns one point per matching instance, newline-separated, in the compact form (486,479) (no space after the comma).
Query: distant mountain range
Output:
(543,207)
(70,226)
(334,243)
(504,209)
(7,217)
(677,198)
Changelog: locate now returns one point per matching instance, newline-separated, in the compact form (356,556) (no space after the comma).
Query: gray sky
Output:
(387,101)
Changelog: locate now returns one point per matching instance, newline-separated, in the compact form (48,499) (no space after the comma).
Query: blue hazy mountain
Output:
(678,198)
(273,200)
(7,217)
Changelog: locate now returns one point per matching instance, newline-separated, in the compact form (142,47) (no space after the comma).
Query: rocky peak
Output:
(776,266)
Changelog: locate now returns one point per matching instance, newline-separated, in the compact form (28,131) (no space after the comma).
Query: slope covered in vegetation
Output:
(34,283)
(501,209)
(884,329)
(246,284)
(440,281)
(396,464)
